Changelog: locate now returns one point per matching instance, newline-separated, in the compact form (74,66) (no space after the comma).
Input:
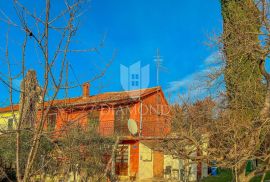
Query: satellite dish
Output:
(132,127)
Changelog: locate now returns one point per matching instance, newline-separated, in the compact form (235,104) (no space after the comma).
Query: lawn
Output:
(258,178)
(225,175)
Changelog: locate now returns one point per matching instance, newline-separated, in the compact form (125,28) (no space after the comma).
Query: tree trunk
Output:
(110,173)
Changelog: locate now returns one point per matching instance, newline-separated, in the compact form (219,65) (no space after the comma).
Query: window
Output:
(93,119)
(121,116)
(51,122)
(10,123)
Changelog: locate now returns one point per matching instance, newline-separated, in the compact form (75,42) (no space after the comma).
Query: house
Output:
(110,112)
(186,169)
(7,117)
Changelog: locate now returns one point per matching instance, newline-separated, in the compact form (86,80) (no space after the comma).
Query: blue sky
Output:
(135,28)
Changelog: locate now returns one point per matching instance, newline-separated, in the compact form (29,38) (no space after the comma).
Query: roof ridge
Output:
(159,87)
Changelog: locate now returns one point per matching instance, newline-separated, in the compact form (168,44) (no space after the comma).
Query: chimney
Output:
(86,90)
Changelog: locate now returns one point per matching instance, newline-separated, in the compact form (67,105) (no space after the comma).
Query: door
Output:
(121,163)
(158,164)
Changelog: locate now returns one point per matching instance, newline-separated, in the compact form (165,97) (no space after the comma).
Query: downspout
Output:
(140,134)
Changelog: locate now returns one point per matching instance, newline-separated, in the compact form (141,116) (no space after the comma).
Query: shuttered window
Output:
(121,116)
(10,123)
(51,122)
(93,119)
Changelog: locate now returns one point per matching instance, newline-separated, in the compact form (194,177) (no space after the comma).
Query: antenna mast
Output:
(158,61)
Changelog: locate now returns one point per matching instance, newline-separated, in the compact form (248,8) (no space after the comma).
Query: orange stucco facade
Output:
(151,114)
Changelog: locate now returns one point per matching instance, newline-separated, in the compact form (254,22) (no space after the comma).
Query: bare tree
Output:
(238,132)
(37,97)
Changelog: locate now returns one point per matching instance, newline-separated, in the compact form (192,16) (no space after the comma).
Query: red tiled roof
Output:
(112,97)
(109,97)
(9,108)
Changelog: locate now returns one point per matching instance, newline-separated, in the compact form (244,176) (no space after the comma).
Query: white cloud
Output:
(214,58)
(196,85)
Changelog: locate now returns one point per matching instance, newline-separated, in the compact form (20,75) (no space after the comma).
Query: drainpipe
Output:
(140,134)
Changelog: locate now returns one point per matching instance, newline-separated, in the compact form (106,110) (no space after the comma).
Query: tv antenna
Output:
(158,59)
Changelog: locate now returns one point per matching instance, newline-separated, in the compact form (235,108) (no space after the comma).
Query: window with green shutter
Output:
(10,123)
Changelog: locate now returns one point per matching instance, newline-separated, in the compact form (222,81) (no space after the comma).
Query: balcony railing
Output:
(149,128)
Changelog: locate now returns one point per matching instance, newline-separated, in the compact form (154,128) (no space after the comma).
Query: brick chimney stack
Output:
(86,90)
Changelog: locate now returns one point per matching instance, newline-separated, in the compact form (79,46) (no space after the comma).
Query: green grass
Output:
(258,178)
(225,175)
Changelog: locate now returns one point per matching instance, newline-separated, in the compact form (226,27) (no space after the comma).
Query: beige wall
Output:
(190,167)
(174,163)
(4,119)
(146,162)
(170,161)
